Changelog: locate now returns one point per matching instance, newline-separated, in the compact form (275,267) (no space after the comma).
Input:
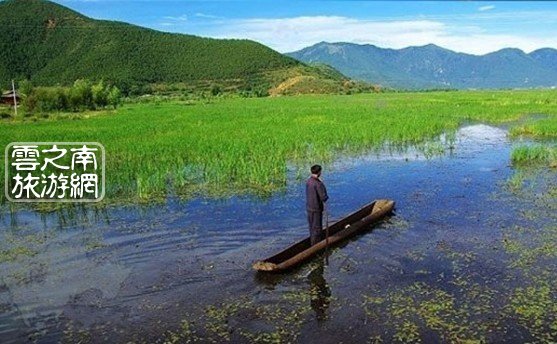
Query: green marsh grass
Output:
(516,182)
(245,145)
(546,127)
(526,155)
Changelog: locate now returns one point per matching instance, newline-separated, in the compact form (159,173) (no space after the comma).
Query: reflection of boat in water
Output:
(345,228)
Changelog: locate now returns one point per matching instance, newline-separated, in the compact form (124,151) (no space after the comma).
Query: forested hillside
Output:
(50,44)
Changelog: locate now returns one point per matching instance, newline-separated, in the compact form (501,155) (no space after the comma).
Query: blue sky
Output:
(464,26)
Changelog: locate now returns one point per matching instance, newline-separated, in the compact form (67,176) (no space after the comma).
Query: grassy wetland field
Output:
(236,145)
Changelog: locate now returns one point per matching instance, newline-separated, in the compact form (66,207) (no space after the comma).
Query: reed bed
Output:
(527,155)
(543,128)
(245,145)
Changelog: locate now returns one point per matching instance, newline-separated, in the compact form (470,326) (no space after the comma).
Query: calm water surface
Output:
(134,273)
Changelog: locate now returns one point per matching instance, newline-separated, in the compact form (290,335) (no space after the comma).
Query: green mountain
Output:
(51,44)
(431,66)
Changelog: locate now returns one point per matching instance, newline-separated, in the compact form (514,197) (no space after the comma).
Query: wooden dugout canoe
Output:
(347,227)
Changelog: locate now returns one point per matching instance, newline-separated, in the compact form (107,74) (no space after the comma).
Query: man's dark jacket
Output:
(316,194)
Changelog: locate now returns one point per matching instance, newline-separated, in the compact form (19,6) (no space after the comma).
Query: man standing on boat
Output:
(316,196)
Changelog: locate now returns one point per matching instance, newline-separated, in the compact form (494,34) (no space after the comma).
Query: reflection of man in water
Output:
(320,294)
(316,196)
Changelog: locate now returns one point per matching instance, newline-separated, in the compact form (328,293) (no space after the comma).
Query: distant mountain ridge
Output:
(50,44)
(431,66)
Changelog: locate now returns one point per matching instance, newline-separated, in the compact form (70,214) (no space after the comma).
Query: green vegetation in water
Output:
(245,145)
(16,246)
(185,334)
(516,181)
(541,246)
(432,149)
(272,323)
(410,310)
(525,155)
(467,306)
(545,154)
(532,252)
(13,253)
(546,127)
(536,309)
(74,335)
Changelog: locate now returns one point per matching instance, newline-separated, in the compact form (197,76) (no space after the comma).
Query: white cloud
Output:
(486,8)
(181,18)
(207,16)
(170,21)
(289,34)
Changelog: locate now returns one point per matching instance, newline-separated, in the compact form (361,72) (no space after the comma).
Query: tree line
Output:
(82,95)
